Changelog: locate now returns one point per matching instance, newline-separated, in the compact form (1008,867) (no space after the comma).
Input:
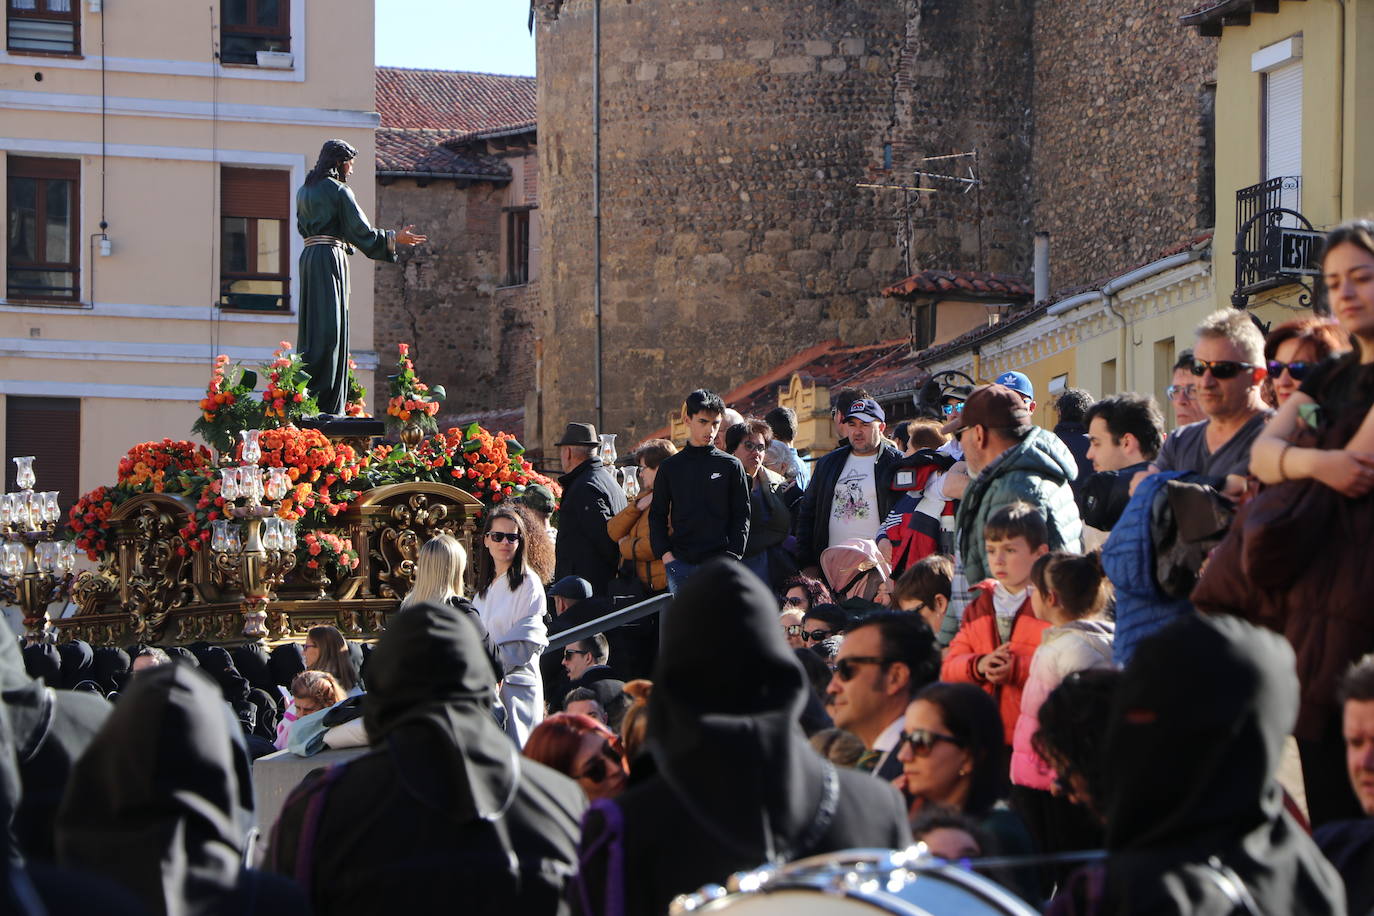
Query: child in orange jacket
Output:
(1000,632)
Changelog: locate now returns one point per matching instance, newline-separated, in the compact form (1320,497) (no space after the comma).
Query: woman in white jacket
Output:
(510,599)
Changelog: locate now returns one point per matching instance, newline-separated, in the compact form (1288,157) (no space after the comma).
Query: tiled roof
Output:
(453,101)
(962,284)
(422,151)
(1211,16)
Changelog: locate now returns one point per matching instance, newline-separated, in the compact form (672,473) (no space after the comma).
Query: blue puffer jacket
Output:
(1129,560)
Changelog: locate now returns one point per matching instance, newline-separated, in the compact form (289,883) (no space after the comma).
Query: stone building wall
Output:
(1123,163)
(733,138)
(466,331)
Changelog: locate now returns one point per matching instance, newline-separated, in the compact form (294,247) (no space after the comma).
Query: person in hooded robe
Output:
(110,669)
(1196,823)
(77,657)
(737,784)
(443,814)
(43,663)
(285,662)
(51,729)
(333,225)
(161,804)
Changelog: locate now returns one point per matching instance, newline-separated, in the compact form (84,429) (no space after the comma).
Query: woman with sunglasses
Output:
(954,757)
(510,600)
(823,622)
(1293,349)
(582,749)
(1293,558)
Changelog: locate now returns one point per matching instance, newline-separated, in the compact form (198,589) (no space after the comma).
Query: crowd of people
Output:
(1006,642)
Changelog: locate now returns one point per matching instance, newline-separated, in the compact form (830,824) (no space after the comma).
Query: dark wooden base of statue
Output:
(357,432)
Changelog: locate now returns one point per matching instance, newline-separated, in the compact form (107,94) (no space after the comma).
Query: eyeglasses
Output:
(1188,392)
(499,536)
(1297,371)
(816,635)
(754,446)
(846,668)
(1221,368)
(570,652)
(922,741)
(794,601)
(951,409)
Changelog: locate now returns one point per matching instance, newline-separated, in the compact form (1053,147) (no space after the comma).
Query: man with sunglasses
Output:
(881,665)
(1228,368)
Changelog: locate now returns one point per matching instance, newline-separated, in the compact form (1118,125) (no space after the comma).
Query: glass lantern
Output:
(13,559)
(66,558)
(23,477)
(252,451)
(278,483)
(229,483)
(608,454)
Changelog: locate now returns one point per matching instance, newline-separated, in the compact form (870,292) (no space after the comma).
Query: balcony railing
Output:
(1261,206)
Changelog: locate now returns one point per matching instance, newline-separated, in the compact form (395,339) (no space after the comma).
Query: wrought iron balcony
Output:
(1268,215)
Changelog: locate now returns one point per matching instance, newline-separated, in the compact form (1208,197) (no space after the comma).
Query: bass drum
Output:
(857,882)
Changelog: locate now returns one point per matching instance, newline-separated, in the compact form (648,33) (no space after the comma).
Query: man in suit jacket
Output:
(882,663)
(591,497)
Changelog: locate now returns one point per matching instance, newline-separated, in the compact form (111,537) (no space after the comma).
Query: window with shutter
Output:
(44,27)
(255,267)
(1283,131)
(49,429)
(42,229)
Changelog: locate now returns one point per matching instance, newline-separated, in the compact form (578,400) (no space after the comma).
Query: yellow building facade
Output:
(152,152)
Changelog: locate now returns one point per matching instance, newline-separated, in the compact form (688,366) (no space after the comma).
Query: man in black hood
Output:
(1195,816)
(161,803)
(51,729)
(444,814)
(737,784)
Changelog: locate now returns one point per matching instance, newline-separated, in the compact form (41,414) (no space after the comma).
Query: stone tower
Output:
(733,138)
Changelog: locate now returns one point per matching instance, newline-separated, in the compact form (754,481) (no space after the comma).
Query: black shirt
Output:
(704,494)
(1105,495)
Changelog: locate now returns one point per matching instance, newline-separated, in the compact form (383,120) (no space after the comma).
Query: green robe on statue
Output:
(328,207)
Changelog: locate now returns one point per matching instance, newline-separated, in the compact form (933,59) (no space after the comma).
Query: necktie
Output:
(868,760)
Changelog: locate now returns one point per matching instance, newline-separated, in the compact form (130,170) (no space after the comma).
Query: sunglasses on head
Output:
(499,536)
(1221,368)
(846,668)
(951,409)
(922,741)
(1297,371)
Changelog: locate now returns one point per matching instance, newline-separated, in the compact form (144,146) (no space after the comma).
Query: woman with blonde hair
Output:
(440,566)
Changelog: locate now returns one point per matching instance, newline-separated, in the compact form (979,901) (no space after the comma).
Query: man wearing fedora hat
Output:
(591,497)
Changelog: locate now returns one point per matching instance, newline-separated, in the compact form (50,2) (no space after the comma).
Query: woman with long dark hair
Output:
(511,603)
(333,225)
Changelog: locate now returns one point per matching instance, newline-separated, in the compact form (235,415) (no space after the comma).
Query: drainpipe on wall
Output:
(1338,166)
(1042,266)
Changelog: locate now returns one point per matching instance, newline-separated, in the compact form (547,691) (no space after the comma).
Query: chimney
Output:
(1042,266)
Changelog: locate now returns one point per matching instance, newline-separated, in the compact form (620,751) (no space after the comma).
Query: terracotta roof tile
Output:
(972,283)
(453,101)
(423,151)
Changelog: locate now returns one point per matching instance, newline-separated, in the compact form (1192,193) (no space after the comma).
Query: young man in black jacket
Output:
(701,497)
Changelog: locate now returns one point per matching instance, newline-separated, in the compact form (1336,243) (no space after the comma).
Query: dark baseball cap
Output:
(993,407)
(866,409)
(573,587)
(538,497)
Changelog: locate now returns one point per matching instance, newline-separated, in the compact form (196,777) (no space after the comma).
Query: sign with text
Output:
(1297,251)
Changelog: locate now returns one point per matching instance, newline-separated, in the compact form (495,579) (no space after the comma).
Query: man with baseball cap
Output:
(1021,384)
(1011,460)
(591,497)
(850,491)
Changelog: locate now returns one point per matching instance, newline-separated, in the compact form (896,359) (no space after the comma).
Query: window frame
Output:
(516,233)
(44,170)
(231,211)
(72,15)
(280,32)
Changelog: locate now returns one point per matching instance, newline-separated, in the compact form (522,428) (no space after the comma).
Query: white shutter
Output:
(1283,129)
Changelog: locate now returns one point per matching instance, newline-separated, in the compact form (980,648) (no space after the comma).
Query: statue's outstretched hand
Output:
(409,238)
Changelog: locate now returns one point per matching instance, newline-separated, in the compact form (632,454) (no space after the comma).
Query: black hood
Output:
(252,662)
(286,661)
(1193,745)
(428,676)
(109,668)
(77,657)
(217,663)
(723,717)
(42,662)
(161,802)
